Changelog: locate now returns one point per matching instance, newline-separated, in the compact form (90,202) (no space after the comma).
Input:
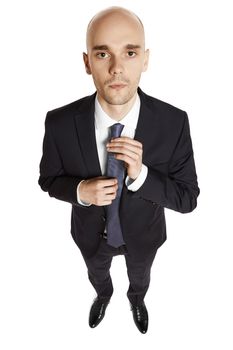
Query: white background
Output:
(45,294)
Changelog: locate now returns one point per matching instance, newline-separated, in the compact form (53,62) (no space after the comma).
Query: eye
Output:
(131,53)
(102,55)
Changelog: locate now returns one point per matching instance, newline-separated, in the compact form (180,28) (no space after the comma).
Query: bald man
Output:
(119,157)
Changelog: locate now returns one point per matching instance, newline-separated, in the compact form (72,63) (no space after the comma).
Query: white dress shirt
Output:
(103,122)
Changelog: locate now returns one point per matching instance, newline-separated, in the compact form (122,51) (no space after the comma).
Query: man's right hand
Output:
(98,190)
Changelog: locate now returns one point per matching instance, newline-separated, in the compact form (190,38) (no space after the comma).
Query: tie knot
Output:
(116,129)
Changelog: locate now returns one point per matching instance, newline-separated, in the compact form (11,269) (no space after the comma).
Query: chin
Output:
(118,100)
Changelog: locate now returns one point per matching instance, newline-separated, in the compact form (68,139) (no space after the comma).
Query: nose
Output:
(116,66)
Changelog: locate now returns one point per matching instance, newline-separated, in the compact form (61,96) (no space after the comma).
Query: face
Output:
(116,57)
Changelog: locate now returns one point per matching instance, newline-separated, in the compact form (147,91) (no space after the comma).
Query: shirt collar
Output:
(103,120)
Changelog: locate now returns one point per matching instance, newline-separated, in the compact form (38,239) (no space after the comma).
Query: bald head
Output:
(114,19)
(116,55)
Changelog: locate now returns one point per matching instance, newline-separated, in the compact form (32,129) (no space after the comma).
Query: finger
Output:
(127,140)
(107,182)
(125,158)
(125,151)
(130,147)
(107,202)
(110,190)
(110,197)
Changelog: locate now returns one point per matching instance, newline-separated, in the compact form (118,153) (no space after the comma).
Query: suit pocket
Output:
(155,212)
(148,201)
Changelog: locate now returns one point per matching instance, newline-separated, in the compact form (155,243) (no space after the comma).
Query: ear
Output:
(146,60)
(86,62)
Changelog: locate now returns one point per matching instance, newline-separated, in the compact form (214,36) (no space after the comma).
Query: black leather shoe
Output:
(140,316)
(97,312)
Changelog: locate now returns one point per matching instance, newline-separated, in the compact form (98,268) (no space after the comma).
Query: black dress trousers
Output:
(138,271)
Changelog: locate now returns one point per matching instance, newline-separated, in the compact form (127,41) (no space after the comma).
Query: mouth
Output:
(117,86)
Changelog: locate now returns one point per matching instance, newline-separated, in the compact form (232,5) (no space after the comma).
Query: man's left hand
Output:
(129,151)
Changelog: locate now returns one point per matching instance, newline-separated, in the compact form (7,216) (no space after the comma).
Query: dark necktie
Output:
(115,168)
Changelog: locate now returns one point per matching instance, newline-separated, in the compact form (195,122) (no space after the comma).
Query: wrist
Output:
(82,191)
(82,198)
(135,175)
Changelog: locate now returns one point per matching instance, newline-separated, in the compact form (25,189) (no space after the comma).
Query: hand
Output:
(98,190)
(128,150)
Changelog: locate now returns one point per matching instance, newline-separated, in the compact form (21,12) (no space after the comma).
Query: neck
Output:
(116,112)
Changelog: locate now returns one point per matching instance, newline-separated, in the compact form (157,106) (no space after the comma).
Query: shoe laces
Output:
(141,312)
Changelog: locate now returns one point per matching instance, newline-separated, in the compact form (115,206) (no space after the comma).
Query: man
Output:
(119,157)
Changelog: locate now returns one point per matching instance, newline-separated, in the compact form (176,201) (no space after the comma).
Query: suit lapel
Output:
(147,127)
(85,125)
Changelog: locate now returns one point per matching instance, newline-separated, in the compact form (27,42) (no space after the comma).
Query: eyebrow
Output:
(106,47)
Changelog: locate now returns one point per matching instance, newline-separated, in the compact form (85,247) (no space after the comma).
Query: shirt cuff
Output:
(78,198)
(134,185)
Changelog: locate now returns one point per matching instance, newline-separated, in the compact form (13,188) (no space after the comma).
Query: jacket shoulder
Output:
(66,112)
(162,106)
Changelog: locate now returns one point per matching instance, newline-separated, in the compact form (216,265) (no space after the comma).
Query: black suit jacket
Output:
(70,155)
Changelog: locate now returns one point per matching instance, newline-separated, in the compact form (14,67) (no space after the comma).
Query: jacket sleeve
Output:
(52,175)
(177,189)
